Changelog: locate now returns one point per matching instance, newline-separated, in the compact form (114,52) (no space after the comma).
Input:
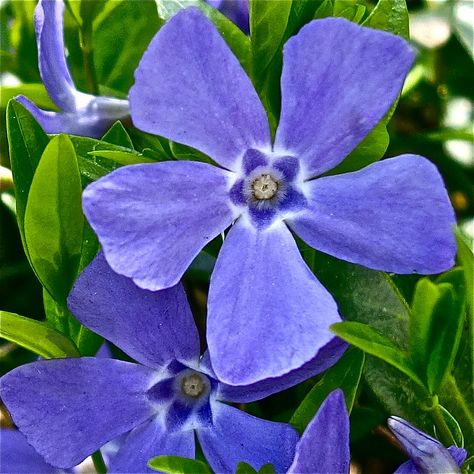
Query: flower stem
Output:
(99,463)
(442,426)
(88,58)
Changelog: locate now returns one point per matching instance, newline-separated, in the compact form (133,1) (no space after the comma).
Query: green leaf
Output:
(453,426)
(237,41)
(267,469)
(35,92)
(121,38)
(60,318)
(345,374)
(354,13)
(35,336)
(268,22)
(370,150)
(369,340)
(325,10)
(122,157)
(27,142)
(117,135)
(244,468)
(391,16)
(435,328)
(53,218)
(178,465)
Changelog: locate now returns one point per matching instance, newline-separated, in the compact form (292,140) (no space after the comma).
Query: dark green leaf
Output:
(129,23)
(391,16)
(244,468)
(178,465)
(53,218)
(268,22)
(325,10)
(369,340)
(345,374)
(35,336)
(27,142)
(267,469)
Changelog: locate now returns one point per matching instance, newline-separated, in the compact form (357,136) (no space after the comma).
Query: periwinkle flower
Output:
(68,408)
(267,313)
(82,114)
(324,446)
(427,455)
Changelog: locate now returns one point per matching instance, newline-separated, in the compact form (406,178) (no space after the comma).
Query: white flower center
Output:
(193,385)
(264,187)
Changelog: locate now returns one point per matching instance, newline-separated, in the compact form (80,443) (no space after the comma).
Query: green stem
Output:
(442,427)
(99,463)
(88,58)
(451,387)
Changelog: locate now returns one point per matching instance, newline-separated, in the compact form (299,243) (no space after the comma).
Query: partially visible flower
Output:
(235,10)
(82,114)
(427,455)
(69,408)
(267,312)
(324,446)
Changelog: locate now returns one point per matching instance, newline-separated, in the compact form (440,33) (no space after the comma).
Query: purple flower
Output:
(267,313)
(68,408)
(427,454)
(236,10)
(324,446)
(82,114)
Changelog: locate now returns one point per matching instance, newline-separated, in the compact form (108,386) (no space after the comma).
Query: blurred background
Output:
(434,118)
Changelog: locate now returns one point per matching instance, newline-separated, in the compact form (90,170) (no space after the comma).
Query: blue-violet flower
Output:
(427,455)
(267,313)
(82,114)
(69,408)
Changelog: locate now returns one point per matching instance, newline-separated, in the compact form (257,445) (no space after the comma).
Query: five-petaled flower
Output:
(267,313)
(82,114)
(427,455)
(69,408)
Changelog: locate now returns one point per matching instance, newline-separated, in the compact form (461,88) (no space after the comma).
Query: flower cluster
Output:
(268,316)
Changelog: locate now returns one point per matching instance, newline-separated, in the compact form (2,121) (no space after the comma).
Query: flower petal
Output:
(153,219)
(324,446)
(152,327)
(51,58)
(190,88)
(393,215)
(325,358)
(18,457)
(91,121)
(268,314)
(69,408)
(148,441)
(236,10)
(338,81)
(237,436)
(408,467)
(428,454)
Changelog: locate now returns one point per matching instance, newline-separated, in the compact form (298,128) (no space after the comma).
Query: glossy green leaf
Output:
(129,23)
(53,218)
(35,336)
(391,16)
(237,41)
(354,13)
(122,157)
(178,465)
(435,327)
(244,468)
(268,22)
(369,340)
(345,374)
(27,142)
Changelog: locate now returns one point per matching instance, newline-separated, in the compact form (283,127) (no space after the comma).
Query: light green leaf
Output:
(178,465)
(369,340)
(35,92)
(345,374)
(117,135)
(122,157)
(53,218)
(35,336)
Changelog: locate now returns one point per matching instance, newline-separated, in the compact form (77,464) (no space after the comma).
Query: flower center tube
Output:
(193,385)
(264,187)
